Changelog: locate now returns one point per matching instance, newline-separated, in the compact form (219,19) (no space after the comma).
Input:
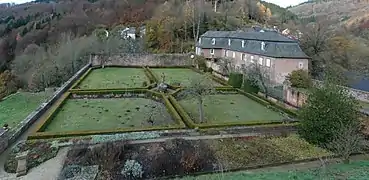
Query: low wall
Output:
(12,135)
(143,60)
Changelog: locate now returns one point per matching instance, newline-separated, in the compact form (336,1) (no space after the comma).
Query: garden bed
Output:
(111,113)
(119,160)
(114,77)
(17,107)
(230,107)
(179,76)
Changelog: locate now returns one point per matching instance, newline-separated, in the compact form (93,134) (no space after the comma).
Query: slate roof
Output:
(276,45)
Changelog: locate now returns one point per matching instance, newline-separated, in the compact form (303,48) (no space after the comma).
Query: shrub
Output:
(235,80)
(209,70)
(201,62)
(250,86)
(132,169)
(144,84)
(300,79)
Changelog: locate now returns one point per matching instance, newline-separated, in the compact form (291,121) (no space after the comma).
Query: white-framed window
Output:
(263,46)
(229,42)
(243,43)
(211,51)
(301,65)
(234,54)
(252,59)
(267,63)
(213,41)
(261,61)
(226,53)
(243,57)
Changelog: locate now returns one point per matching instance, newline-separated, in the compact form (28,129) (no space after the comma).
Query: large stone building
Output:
(270,50)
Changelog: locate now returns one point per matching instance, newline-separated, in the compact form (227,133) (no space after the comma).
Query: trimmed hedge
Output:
(185,117)
(173,111)
(110,91)
(185,67)
(83,77)
(47,135)
(249,86)
(50,114)
(249,123)
(235,80)
(118,66)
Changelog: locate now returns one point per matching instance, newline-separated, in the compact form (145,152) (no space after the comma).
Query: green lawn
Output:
(358,170)
(235,108)
(112,77)
(178,75)
(365,105)
(104,114)
(18,106)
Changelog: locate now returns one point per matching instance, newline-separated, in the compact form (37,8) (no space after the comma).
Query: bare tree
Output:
(197,17)
(347,141)
(256,73)
(198,89)
(226,65)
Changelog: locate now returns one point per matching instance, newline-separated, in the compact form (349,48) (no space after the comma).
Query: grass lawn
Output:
(357,170)
(236,108)
(365,105)
(238,153)
(179,75)
(103,114)
(18,106)
(111,77)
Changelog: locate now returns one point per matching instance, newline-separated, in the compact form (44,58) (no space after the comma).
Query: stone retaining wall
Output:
(11,136)
(143,60)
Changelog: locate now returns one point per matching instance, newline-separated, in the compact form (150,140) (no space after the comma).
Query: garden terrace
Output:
(98,112)
(229,107)
(181,76)
(113,78)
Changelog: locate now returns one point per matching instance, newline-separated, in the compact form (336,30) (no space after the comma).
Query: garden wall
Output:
(143,60)
(11,136)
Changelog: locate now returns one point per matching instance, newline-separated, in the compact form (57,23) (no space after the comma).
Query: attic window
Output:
(263,46)
(229,42)
(213,41)
(243,43)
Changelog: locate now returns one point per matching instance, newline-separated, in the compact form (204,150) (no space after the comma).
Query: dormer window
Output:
(243,43)
(263,46)
(213,41)
(229,42)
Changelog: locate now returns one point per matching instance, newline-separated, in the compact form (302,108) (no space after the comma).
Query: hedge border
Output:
(213,77)
(80,80)
(38,134)
(52,112)
(83,77)
(190,123)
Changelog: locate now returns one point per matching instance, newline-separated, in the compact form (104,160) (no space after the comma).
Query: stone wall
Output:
(143,60)
(294,97)
(12,135)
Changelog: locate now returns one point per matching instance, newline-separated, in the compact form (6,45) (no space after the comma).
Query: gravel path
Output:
(48,170)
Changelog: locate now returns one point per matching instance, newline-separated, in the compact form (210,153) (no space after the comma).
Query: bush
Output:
(235,80)
(132,169)
(250,86)
(201,62)
(300,79)
(209,70)
(144,84)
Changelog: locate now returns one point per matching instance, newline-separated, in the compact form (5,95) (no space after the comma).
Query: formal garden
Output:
(157,122)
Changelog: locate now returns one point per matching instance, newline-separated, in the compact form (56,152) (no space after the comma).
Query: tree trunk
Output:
(201,110)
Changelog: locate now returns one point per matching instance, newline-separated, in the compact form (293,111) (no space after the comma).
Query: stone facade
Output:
(279,68)
(7,139)
(143,60)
